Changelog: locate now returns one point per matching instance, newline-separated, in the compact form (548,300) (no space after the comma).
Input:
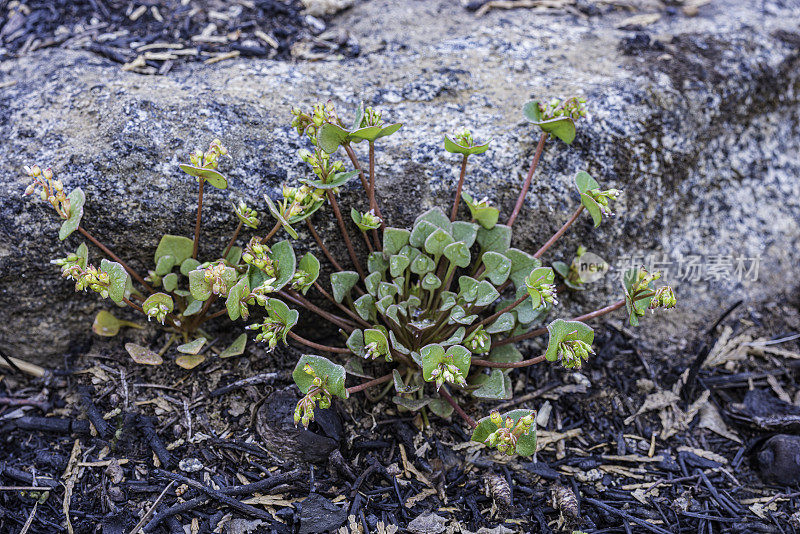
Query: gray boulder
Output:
(696,119)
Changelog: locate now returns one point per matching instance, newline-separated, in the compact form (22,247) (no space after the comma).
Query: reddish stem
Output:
(335,319)
(582,318)
(116,258)
(197,222)
(339,305)
(322,246)
(345,235)
(446,396)
(559,233)
(454,213)
(509,365)
(497,314)
(365,385)
(317,346)
(527,184)
(233,239)
(271,232)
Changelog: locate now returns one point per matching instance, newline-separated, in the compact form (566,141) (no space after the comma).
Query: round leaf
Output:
(76,201)
(143,355)
(333,374)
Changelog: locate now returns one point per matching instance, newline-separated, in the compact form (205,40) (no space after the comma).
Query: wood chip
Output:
(222,57)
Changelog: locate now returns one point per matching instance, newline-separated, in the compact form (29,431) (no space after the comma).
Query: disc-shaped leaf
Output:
(561,330)
(76,201)
(342,282)
(493,387)
(505,354)
(143,355)
(201,290)
(178,247)
(422,264)
(170,282)
(282,254)
(441,408)
(376,263)
(337,180)
(434,354)
(534,282)
(332,374)
(156,302)
(105,324)
(190,361)
(192,347)
(365,307)
(430,282)
(561,127)
(236,348)
(526,443)
(585,182)
(398,264)
(211,176)
(309,264)
(485,294)
(394,239)
(330,136)
(485,215)
(504,323)
(457,253)
(498,239)
(188,265)
(373,335)
(118,279)
(437,241)
(465,232)
(498,267)
(522,264)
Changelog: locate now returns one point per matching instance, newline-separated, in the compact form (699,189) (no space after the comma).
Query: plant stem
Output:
(446,396)
(373,203)
(354,160)
(497,314)
(335,319)
(132,304)
(527,184)
(582,318)
(509,365)
(376,382)
(345,235)
(214,315)
(116,258)
(197,222)
(322,246)
(454,213)
(559,233)
(342,307)
(233,239)
(317,346)
(367,241)
(271,232)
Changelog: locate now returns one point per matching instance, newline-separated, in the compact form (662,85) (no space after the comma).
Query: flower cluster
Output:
(309,123)
(371,118)
(368,221)
(52,190)
(247,215)
(89,278)
(464,138)
(304,412)
(299,200)
(664,297)
(321,163)
(270,332)
(478,341)
(259,294)
(506,436)
(603,199)
(256,254)
(448,372)
(573,108)
(157,311)
(210,158)
(572,353)
(539,282)
(214,277)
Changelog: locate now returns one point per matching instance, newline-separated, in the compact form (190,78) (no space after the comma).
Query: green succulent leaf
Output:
(188,265)
(236,348)
(76,201)
(118,280)
(376,263)
(209,175)
(561,330)
(410,403)
(504,323)
(337,180)
(282,253)
(355,342)
(441,408)
(397,345)
(273,209)
(593,208)
(237,293)
(494,387)
(170,282)
(234,255)
(486,216)
(342,282)
(398,264)
(585,182)
(485,294)
(143,355)
(458,254)
(178,247)
(526,443)
(107,325)
(434,354)
(365,307)
(560,127)
(465,232)
(420,232)
(437,218)
(381,344)
(399,384)
(330,136)
(538,277)
(454,148)
(332,374)
(165,265)
(394,239)
(498,267)
(498,239)
(83,255)
(467,288)
(456,338)
(193,307)
(522,264)
(437,241)
(192,347)
(372,282)
(635,308)
(422,265)
(431,282)
(505,354)
(152,305)
(308,264)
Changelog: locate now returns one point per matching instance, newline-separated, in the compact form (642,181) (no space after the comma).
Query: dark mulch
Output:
(228,455)
(151,36)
